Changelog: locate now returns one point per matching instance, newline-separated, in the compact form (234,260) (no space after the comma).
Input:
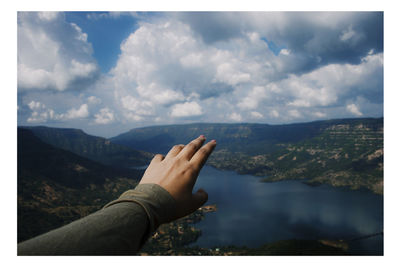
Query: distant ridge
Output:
(39,159)
(56,186)
(92,147)
(233,136)
(340,152)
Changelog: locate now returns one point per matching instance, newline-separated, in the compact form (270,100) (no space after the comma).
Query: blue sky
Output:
(108,72)
(105,35)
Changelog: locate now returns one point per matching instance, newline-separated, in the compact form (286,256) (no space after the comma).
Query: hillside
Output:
(344,152)
(56,186)
(92,147)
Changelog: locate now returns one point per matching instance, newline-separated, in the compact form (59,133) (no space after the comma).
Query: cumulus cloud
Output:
(256,115)
(319,114)
(94,100)
(164,64)
(274,113)
(236,117)
(353,109)
(328,85)
(105,116)
(81,112)
(251,101)
(137,107)
(329,36)
(294,113)
(41,113)
(167,57)
(347,34)
(52,53)
(257,67)
(187,109)
(169,63)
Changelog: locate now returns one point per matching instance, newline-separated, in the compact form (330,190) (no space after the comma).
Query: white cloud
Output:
(133,117)
(353,109)
(229,74)
(35,105)
(347,34)
(52,53)
(284,52)
(40,113)
(274,113)
(105,116)
(327,85)
(184,69)
(235,117)
(78,69)
(256,115)
(294,114)
(132,104)
(251,101)
(187,109)
(170,69)
(81,112)
(94,100)
(48,15)
(319,114)
(151,81)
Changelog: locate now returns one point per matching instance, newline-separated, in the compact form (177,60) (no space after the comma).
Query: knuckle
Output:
(176,147)
(191,169)
(203,151)
(188,169)
(158,156)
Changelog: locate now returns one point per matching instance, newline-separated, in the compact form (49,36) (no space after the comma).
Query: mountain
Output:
(92,147)
(56,186)
(342,152)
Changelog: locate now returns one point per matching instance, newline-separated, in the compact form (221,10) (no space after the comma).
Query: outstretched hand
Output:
(177,173)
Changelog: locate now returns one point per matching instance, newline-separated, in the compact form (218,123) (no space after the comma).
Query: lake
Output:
(251,213)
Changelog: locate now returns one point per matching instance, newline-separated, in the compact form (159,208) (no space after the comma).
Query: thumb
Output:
(199,198)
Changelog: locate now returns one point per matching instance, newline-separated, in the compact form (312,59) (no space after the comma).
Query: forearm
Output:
(120,228)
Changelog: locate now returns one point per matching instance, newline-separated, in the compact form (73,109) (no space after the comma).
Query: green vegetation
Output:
(345,152)
(62,176)
(92,147)
(56,186)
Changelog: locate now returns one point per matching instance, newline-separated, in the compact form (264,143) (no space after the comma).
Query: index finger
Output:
(200,157)
(190,149)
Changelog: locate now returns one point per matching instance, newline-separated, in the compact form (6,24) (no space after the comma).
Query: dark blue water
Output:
(251,213)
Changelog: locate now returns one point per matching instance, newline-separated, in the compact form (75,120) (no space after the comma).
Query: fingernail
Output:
(202,136)
(213,141)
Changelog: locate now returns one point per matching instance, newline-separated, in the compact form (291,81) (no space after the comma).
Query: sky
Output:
(108,72)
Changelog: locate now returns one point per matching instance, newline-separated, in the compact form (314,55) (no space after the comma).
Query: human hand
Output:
(177,173)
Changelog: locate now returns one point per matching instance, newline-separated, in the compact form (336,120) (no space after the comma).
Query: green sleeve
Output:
(120,228)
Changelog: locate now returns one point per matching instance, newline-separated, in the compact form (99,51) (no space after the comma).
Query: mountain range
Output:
(341,152)
(92,147)
(56,186)
(65,174)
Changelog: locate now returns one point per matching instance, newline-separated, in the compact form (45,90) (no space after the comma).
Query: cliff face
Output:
(344,152)
(92,147)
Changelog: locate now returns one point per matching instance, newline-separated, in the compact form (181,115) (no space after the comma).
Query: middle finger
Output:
(190,149)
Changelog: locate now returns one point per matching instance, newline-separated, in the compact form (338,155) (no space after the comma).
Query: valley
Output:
(65,174)
(346,152)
